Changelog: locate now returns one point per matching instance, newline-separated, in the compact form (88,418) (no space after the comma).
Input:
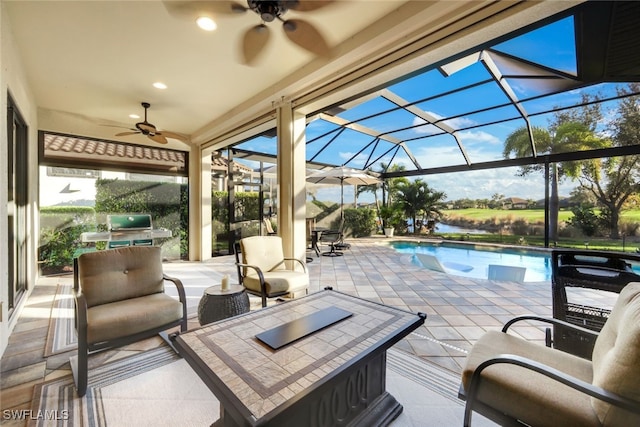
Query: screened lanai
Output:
(456,115)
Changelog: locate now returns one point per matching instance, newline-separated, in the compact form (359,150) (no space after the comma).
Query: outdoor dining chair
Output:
(331,238)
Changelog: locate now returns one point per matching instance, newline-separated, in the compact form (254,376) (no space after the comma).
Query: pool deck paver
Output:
(459,309)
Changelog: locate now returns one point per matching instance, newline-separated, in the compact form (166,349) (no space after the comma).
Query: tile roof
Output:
(92,152)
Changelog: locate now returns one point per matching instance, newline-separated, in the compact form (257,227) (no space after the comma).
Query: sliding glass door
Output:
(17,200)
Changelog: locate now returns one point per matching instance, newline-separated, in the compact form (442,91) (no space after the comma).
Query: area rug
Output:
(157,387)
(152,388)
(61,336)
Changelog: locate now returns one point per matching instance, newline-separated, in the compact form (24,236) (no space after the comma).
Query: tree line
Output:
(607,185)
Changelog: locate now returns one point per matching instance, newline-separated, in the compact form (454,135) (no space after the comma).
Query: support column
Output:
(200,204)
(547,228)
(292,180)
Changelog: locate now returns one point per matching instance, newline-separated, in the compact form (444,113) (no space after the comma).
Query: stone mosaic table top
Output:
(250,375)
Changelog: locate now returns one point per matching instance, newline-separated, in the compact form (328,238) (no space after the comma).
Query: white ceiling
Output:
(98,59)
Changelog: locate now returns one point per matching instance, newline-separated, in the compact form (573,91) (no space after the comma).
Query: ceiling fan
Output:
(299,31)
(150,131)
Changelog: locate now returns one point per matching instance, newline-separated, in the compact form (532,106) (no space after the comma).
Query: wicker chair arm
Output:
(549,320)
(555,374)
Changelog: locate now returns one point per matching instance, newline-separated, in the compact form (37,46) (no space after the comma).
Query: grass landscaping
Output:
(530,215)
(533,217)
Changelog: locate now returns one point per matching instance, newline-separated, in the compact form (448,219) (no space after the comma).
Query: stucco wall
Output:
(14,82)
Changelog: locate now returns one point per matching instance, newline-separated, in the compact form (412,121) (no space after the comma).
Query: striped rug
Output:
(61,336)
(152,388)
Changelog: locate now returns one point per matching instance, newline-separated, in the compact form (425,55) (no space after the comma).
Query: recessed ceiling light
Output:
(206,23)
(159,85)
(134,116)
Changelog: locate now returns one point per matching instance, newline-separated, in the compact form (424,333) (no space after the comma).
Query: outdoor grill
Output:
(595,270)
(127,230)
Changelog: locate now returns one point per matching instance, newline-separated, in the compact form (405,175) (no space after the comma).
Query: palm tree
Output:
(387,186)
(568,136)
(418,198)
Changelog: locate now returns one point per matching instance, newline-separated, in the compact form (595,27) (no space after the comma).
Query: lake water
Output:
(462,256)
(445,228)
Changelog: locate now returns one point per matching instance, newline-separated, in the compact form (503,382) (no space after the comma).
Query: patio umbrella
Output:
(342,175)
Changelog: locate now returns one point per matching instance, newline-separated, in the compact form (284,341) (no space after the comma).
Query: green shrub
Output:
(584,219)
(361,222)
(629,228)
(520,227)
(60,230)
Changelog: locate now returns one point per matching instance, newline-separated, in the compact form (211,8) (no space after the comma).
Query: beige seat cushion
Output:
(616,358)
(128,317)
(279,281)
(521,393)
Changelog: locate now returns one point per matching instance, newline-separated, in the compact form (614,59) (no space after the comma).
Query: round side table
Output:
(217,304)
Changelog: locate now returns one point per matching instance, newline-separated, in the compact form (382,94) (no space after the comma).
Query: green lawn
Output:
(537,216)
(633,215)
(530,215)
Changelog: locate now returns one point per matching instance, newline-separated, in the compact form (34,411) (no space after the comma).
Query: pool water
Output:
(458,258)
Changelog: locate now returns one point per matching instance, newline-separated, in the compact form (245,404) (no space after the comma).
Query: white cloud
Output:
(479,136)
(456,123)
(485,183)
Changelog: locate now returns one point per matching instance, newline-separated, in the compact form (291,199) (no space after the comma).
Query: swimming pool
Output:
(469,260)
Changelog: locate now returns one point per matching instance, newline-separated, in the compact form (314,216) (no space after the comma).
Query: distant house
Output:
(564,203)
(515,203)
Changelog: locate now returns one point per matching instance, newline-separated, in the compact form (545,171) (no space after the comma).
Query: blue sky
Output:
(472,113)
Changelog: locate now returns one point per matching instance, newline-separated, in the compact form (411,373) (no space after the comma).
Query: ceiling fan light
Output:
(267,16)
(206,23)
(289,26)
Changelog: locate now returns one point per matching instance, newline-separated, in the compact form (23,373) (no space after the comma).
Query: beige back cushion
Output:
(616,357)
(265,252)
(119,274)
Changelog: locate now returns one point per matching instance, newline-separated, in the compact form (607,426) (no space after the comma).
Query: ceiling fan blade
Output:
(306,36)
(193,9)
(305,6)
(127,133)
(173,135)
(116,126)
(253,42)
(160,139)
